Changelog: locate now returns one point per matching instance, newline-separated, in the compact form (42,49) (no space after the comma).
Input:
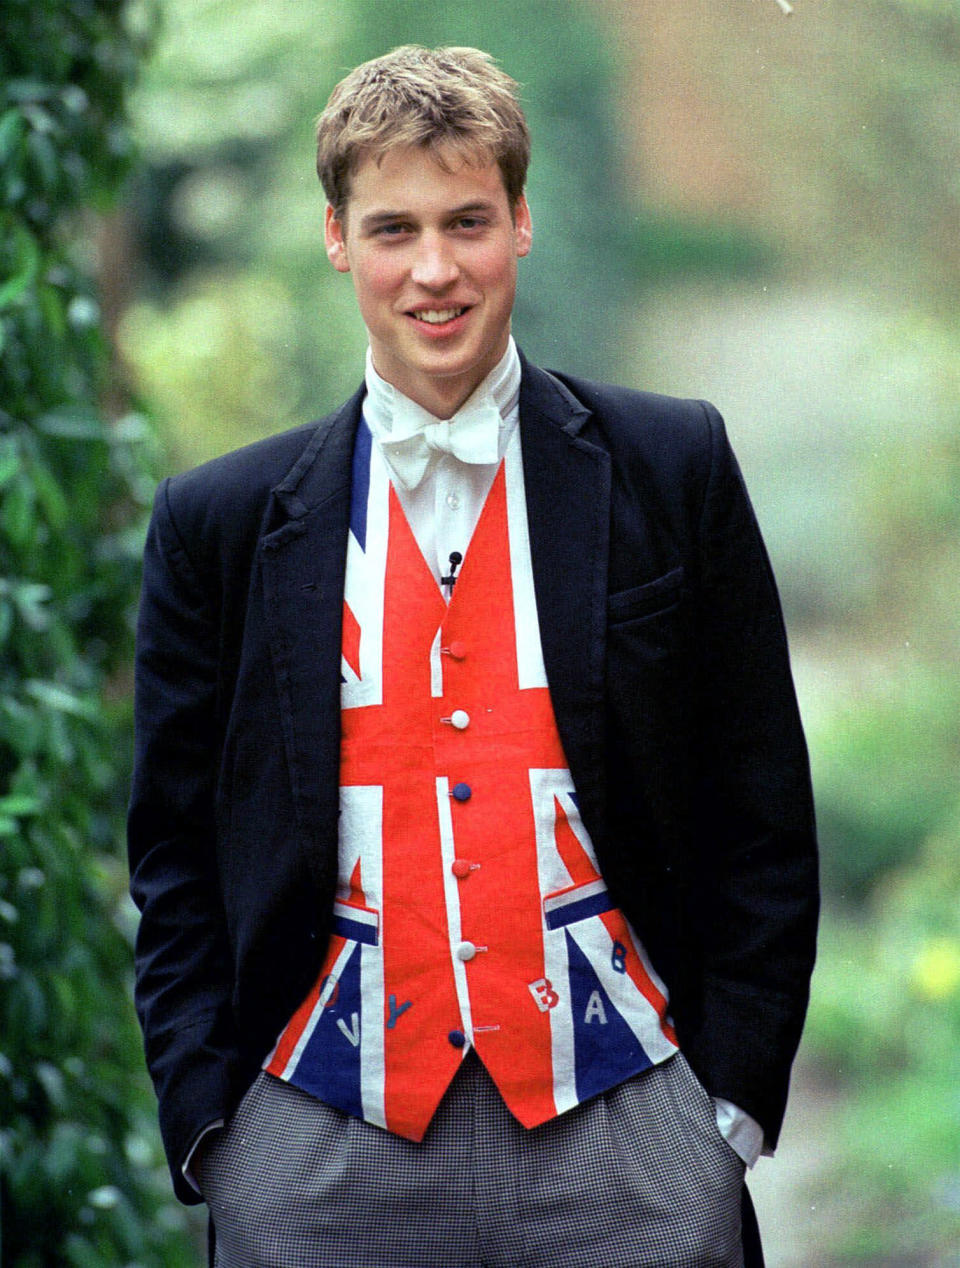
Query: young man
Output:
(471,822)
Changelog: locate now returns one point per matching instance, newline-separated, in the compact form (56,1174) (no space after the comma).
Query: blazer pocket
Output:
(654,596)
(577,902)
(356,924)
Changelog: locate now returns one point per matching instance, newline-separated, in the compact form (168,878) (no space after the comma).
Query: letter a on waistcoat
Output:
(470,910)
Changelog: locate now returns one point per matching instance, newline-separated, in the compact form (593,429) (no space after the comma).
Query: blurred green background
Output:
(728,203)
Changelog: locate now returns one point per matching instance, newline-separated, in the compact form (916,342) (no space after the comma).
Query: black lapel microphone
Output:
(456,559)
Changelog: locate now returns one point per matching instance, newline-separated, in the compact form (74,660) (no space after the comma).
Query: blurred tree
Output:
(79,1179)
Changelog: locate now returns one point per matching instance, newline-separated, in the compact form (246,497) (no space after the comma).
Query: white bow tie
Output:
(472,435)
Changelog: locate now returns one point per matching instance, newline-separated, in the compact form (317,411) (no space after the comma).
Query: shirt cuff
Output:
(187,1167)
(742,1133)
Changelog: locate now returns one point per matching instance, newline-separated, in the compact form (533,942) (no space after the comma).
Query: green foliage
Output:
(78,1161)
(888,749)
(885,1017)
(885,1024)
(886,774)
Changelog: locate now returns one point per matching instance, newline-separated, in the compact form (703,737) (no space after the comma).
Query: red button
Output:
(457,649)
(460,868)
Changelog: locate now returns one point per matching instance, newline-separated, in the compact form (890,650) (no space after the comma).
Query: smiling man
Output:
(471,820)
(433,254)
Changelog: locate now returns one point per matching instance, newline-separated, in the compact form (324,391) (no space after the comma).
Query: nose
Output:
(434,264)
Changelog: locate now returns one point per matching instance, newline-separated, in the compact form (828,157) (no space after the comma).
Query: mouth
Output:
(439,320)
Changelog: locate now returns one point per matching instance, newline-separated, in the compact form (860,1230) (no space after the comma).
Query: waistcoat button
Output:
(466,951)
(462,792)
(460,719)
(457,1038)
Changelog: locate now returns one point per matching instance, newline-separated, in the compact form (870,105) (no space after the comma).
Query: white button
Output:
(453,501)
(460,719)
(466,951)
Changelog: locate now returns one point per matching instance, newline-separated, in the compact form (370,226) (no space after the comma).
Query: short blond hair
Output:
(441,99)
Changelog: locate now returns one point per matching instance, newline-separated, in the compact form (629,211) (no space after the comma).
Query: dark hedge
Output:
(81,1181)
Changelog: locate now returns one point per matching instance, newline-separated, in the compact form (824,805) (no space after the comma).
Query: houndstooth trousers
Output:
(639,1175)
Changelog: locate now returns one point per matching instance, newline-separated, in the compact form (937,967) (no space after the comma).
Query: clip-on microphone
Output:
(456,559)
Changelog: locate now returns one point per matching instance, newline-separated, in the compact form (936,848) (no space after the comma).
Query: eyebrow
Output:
(375,218)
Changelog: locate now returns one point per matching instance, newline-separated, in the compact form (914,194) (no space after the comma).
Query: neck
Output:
(442,395)
(386,399)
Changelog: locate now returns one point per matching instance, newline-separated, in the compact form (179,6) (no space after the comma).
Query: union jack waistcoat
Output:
(470,908)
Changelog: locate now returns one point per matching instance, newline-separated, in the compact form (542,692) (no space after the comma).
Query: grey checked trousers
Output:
(637,1176)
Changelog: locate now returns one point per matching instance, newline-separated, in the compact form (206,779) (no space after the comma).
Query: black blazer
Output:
(667,663)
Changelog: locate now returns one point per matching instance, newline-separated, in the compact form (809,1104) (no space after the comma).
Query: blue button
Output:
(462,792)
(457,1038)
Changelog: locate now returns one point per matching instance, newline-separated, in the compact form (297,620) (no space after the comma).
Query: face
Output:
(433,256)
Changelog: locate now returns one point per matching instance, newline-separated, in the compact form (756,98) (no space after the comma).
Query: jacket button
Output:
(460,719)
(457,649)
(462,792)
(457,1038)
(466,951)
(461,868)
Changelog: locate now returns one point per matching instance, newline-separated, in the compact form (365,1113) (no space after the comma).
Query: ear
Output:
(335,241)
(523,226)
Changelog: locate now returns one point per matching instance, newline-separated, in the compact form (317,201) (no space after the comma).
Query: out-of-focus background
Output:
(729,203)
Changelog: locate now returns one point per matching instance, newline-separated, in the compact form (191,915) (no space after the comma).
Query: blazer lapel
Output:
(567,482)
(303,561)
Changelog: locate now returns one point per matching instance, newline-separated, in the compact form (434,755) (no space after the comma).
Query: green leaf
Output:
(17,518)
(30,598)
(53,310)
(8,962)
(50,496)
(40,120)
(26,782)
(44,153)
(73,422)
(51,1080)
(19,805)
(9,459)
(59,698)
(6,620)
(28,90)
(27,264)
(20,727)
(11,132)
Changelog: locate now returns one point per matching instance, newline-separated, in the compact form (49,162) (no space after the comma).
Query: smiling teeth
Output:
(436,316)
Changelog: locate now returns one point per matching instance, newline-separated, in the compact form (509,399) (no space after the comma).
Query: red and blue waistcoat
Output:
(470,908)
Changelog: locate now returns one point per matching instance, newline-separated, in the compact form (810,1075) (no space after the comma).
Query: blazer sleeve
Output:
(757,860)
(183,967)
